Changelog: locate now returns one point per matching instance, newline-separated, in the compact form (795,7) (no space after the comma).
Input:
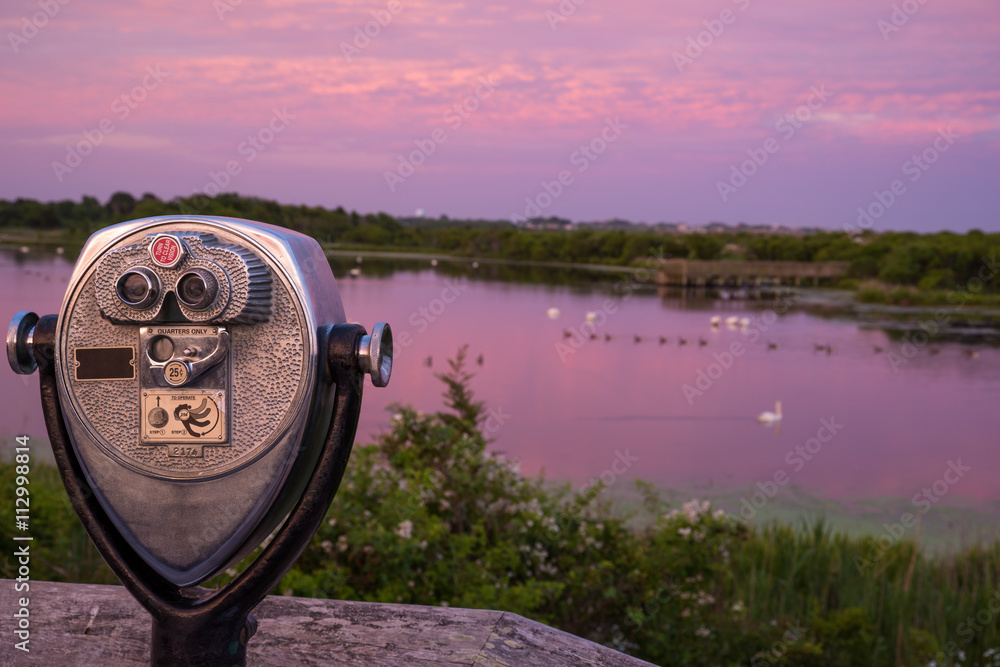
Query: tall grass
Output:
(892,602)
(918,605)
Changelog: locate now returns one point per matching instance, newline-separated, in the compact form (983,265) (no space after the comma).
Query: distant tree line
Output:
(943,260)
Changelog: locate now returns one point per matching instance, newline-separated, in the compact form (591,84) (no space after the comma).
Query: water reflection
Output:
(628,389)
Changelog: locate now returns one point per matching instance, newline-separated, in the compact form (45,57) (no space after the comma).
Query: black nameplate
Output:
(104,363)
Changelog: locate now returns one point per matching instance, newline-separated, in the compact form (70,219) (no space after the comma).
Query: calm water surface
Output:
(577,414)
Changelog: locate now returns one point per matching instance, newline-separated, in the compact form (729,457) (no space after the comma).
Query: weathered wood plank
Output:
(76,624)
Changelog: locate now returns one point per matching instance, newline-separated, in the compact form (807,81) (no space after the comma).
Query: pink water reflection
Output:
(571,419)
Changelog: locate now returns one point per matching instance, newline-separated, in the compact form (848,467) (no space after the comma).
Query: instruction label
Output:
(192,417)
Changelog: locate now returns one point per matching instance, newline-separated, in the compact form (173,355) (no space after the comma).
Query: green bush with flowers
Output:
(427,514)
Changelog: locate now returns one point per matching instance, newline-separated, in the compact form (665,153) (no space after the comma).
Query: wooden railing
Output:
(703,272)
(77,624)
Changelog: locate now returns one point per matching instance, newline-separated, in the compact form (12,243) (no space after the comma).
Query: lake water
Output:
(857,424)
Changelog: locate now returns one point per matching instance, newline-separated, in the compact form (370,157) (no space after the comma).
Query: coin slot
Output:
(161,349)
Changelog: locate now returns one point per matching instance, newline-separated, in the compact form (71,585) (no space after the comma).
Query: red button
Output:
(165,251)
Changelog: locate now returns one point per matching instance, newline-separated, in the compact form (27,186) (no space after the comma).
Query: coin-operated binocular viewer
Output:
(200,384)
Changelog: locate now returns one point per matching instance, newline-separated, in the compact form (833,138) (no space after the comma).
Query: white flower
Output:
(404,529)
(684,532)
(703,631)
(342,543)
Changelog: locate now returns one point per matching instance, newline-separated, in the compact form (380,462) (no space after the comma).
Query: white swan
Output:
(732,321)
(715,321)
(771,417)
(553,313)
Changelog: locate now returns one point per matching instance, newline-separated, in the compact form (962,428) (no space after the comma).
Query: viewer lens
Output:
(197,290)
(138,288)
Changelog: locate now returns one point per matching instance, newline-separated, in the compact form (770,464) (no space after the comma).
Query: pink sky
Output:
(226,68)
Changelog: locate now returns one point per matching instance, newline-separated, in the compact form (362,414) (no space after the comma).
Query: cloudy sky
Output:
(759,111)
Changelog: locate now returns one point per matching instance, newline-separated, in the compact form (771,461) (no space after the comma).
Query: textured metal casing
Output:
(191,517)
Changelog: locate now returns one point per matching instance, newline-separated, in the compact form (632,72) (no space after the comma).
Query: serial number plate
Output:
(185,450)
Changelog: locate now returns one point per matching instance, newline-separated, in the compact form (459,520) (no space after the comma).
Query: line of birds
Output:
(771,345)
(638,339)
(732,322)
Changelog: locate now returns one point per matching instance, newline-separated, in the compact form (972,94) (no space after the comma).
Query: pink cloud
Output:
(558,82)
